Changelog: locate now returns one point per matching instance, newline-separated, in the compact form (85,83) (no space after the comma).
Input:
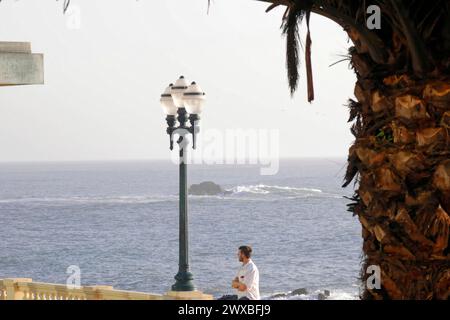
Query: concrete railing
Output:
(26,289)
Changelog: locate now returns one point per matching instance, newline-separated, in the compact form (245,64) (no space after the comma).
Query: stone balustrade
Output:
(26,289)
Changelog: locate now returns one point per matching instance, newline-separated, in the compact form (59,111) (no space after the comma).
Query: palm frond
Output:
(295,13)
(291,31)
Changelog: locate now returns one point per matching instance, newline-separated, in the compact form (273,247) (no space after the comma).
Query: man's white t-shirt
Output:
(249,275)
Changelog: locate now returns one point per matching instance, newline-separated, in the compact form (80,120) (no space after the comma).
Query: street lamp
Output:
(182,102)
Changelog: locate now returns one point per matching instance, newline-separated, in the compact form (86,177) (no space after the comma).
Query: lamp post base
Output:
(184,282)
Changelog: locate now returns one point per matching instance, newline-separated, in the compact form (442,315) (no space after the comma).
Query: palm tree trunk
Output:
(401,155)
(401,158)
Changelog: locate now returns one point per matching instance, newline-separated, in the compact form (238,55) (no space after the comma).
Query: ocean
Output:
(118,222)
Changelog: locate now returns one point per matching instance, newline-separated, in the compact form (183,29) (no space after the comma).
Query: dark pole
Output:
(184,278)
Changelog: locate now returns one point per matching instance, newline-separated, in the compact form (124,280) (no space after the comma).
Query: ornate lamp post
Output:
(182,102)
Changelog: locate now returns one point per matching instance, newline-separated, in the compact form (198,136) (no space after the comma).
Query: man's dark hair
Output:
(246,250)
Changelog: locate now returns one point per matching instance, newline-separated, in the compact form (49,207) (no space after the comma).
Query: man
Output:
(247,280)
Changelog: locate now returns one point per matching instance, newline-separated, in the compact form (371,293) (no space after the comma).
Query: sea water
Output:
(118,223)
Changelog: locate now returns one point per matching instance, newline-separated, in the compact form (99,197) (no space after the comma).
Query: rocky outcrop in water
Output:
(324,295)
(298,292)
(302,291)
(207,188)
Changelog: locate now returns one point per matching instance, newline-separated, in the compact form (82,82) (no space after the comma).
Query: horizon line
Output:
(344,157)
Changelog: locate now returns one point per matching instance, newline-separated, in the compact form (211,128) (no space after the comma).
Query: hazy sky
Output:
(103,80)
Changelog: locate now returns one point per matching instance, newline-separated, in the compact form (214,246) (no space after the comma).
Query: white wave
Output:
(266,189)
(263,192)
(259,192)
(343,295)
(250,189)
(334,295)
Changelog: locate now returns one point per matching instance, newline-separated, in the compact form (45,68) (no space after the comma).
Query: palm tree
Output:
(400,159)
(401,122)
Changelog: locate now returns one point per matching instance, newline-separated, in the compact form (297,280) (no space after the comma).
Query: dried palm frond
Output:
(277,3)
(291,31)
(296,12)
(66,5)
(355,109)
